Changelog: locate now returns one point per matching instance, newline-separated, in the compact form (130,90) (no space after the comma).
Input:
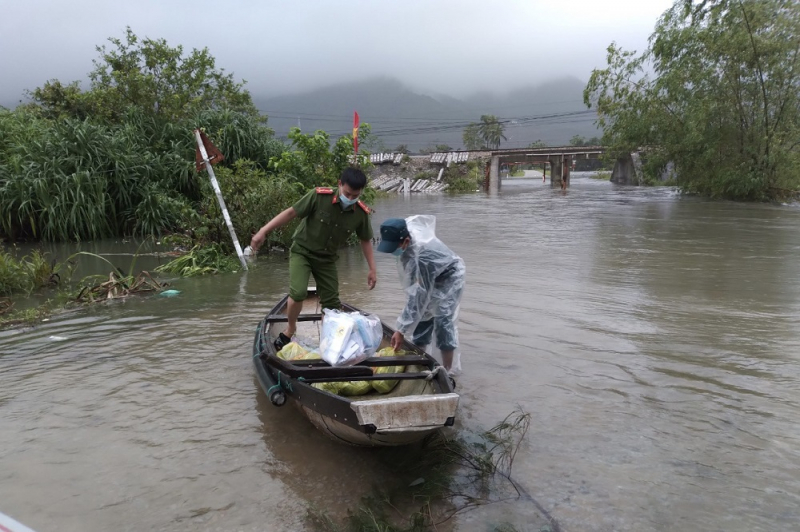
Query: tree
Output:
(722,103)
(402,148)
(151,76)
(314,162)
(472,138)
(491,131)
(58,101)
(537,144)
(577,140)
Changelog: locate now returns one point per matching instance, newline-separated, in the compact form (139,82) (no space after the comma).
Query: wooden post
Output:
(221,201)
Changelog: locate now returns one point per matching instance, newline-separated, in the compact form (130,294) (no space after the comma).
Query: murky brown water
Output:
(654,339)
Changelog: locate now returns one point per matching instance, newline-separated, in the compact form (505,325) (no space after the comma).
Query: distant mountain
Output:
(400,115)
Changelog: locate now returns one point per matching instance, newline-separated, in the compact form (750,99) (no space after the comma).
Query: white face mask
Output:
(346,201)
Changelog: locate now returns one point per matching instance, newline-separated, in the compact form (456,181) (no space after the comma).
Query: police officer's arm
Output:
(372,277)
(364,234)
(302,208)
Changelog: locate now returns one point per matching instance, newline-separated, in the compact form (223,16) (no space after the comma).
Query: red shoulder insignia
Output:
(324,190)
(364,206)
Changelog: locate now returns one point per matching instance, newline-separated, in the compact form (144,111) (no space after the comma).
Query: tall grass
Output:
(75,179)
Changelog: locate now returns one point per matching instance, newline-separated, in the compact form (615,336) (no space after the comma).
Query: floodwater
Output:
(653,338)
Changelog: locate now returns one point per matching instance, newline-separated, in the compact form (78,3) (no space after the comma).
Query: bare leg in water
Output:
(447,359)
(292,312)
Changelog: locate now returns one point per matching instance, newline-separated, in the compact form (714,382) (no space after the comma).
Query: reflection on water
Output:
(654,339)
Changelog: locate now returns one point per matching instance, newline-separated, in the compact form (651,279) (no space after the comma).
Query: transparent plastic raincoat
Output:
(433,278)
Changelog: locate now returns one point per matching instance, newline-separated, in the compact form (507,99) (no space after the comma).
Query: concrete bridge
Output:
(627,170)
(559,158)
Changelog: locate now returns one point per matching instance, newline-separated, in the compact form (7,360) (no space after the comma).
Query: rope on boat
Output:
(280,385)
(430,375)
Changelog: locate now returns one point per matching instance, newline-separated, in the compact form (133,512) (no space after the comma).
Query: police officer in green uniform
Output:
(328,217)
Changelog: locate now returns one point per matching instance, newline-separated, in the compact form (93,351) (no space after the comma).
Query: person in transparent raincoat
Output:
(433,278)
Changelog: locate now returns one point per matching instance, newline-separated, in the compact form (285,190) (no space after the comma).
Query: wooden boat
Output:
(423,401)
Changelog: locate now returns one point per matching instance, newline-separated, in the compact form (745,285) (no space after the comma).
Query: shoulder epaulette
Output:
(364,206)
(324,190)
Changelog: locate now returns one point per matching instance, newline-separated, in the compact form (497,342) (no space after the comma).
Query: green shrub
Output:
(463,177)
(27,274)
(252,197)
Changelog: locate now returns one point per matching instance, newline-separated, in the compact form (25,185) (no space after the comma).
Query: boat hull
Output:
(422,403)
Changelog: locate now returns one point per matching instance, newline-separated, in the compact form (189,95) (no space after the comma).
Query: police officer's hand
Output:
(397,340)
(372,278)
(258,240)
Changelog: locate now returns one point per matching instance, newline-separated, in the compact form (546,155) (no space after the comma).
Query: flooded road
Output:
(653,338)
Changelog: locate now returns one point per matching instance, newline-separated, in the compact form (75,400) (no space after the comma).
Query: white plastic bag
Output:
(340,342)
(371,331)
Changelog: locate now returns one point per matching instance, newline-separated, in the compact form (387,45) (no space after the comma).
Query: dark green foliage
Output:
(240,136)
(147,75)
(722,103)
(484,135)
(313,162)
(76,179)
(464,177)
(253,197)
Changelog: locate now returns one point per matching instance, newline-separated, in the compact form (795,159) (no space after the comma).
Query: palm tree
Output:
(491,131)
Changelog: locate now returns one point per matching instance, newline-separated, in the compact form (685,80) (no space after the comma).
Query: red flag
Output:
(355,132)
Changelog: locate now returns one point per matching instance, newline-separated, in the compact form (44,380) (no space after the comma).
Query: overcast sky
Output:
(443,46)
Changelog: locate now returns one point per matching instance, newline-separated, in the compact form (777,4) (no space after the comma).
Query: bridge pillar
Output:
(627,170)
(556,171)
(559,170)
(494,175)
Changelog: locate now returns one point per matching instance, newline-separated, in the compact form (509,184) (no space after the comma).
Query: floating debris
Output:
(170,293)
(119,286)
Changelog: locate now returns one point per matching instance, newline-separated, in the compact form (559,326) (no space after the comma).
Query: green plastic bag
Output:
(350,388)
(387,386)
(295,351)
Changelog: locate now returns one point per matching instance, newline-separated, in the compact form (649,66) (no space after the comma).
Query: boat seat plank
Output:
(370,377)
(320,372)
(282,318)
(373,362)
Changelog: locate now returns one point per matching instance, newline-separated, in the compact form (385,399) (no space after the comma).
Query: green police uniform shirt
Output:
(325,225)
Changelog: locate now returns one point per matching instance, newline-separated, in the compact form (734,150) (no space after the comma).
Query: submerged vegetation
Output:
(446,477)
(35,274)
(26,274)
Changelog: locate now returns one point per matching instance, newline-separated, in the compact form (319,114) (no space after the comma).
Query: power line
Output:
(303,114)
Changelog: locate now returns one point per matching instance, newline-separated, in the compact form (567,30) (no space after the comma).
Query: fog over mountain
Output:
(552,112)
